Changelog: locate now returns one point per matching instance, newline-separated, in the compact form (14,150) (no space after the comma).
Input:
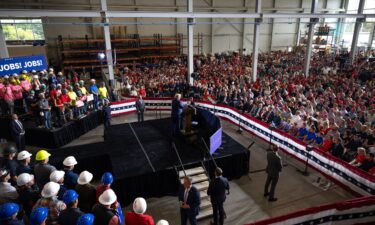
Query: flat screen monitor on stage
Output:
(215,140)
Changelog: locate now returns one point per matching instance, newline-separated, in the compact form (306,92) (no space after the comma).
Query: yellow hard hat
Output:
(42,155)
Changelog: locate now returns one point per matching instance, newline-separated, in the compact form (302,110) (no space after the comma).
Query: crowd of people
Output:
(332,109)
(40,194)
(51,98)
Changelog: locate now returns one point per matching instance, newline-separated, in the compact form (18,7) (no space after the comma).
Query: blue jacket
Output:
(70,179)
(24,169)
(217,188)
(193,199)
(177,108)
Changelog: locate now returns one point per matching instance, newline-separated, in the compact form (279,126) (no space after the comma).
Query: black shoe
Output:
(266,194)
(272,199)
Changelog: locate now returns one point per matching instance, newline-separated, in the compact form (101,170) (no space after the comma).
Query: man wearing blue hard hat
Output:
(71,214)
(8,214)
(39,216)
(86,219)
(107,180)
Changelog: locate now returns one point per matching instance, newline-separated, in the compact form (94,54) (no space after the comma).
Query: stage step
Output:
(201,182)
(192,172)
(202,186)
(205,203)
(198,178)
(203,194)
(205,213)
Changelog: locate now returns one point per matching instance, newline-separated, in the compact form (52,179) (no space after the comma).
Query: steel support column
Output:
(258,9)
(357,29)
(3,45)
(298,27)
(107,39)
(190,31)
(313,21)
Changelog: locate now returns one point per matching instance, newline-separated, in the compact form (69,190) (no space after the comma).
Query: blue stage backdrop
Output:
(12,65)
(215,140)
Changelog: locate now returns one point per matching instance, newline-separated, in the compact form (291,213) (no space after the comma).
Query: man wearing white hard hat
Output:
(57,176)
(24,158)
(138,216)
(27,191)
(70,178)
(49,200)
(104,211)
(86,192)
(162,222)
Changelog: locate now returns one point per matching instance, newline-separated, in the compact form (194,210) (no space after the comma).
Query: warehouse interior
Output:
(104,39)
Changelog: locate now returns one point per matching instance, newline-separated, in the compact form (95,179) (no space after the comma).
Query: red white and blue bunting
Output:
(351,178)
(355,211)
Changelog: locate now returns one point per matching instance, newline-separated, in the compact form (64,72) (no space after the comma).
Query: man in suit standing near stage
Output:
(140,106)
(177,111)
(217,192)
(107,117)
(273,169)
(18,132)
(190,201)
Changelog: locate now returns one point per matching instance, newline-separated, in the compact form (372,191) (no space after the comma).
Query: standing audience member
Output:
(8,214)
(217,192)
(140,106)
(45,111)
(86,192)
(42,168)
(24,158)
(57,176)
(162,222)
(49,200)
(106,181)
(103,93)
(190,201)
(70,178)
(86,219)
(95,92)
(27,191)
(105,211)
(138,217)
(273,170)
(39,216)
(18,132)
(10,162)
(71,214)
(8,193)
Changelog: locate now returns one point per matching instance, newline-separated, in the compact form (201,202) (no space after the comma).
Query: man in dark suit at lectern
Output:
(18,132)
(273,169)
(190,201)
(177,111)
(217,190)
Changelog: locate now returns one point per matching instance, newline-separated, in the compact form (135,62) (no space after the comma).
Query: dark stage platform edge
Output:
(134,176)
(55,138)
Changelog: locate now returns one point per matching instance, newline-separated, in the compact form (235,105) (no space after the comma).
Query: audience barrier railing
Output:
(354,180)
(355,211)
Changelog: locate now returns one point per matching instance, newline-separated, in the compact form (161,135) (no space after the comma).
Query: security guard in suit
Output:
(273,170)
(218,190)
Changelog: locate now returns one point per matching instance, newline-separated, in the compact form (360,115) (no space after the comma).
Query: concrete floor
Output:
(246,202)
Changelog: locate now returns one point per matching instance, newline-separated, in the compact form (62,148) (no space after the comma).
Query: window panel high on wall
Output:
(366,29)
(22,29)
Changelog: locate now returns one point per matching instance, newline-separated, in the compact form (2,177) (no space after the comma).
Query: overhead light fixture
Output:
(101,55)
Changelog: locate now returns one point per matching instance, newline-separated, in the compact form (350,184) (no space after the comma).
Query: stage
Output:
(151,171)
(57,137)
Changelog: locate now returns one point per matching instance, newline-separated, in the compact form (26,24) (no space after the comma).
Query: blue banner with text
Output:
(8,66)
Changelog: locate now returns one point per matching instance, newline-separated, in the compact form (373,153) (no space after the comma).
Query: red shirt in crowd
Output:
(132,218)
(100,189)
